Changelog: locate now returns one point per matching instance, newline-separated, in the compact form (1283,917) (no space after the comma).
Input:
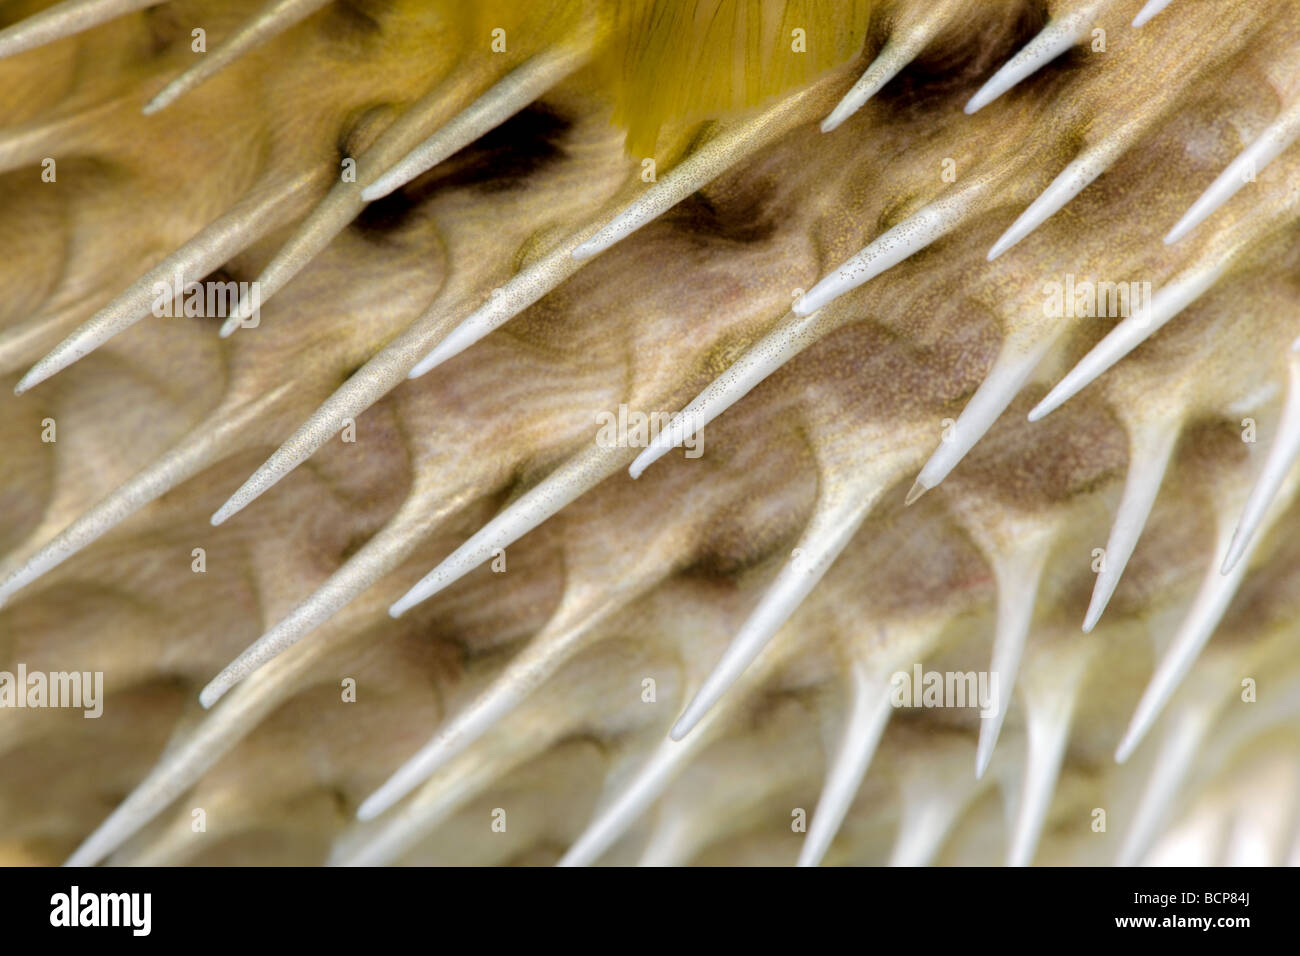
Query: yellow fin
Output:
(682,60)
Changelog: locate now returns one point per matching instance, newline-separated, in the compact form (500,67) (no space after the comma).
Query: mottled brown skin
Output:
(687,550)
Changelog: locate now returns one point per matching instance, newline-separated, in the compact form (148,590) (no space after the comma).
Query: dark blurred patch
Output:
(167,28)
(225,278)
(351,20)
(963,57)
(501,159)
(736,218)
(360,131)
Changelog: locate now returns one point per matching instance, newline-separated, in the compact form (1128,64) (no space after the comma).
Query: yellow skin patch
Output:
(648,579)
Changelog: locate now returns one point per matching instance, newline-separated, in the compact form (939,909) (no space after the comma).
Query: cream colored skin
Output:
(649,579)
